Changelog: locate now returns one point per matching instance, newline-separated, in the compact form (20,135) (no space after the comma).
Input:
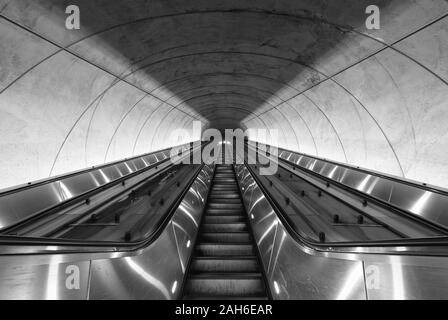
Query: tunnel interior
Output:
(138,70)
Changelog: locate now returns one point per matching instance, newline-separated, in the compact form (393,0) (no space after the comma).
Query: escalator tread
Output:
(224,263)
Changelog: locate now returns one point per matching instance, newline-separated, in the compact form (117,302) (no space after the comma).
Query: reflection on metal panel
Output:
(146,276)
(153,272)
(16,205)
(158,272)
(298,271)
(397,281)
(53,281)
(292,273)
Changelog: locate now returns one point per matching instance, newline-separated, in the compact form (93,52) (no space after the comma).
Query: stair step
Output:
(224,227)
(225,182)
(224,212)
(224,219)
(225,205)
(219,200)
(213,192)
(220,265)
(241,285)
(224,249)
(225,186)
(224,263)
(225,237)
(226,196)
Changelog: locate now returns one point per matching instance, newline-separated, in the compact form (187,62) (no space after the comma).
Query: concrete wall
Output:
(61,112)
(387,111)
(137,70)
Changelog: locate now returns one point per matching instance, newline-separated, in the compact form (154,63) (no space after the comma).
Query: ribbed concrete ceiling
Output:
(138,69)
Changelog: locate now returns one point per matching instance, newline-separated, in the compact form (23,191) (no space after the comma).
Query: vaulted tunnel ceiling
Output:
(137,70)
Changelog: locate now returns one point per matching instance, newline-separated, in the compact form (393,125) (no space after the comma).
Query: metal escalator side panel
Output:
(292,273)
(299,271)
(159,271)
(152,272)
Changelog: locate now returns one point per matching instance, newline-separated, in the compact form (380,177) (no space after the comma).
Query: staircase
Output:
(225,263)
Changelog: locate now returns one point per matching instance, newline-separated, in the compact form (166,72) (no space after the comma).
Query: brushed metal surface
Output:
(25,201)
(297,270)
(50,281)
(153,272)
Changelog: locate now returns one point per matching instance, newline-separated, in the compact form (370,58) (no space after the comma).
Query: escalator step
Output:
(226,237)
(224,212)
(222,201)
(213,192)
(226,284)
(227,227)
(229,186)
(221,265)
(226,182)
(224,219)
(227,196)
(225,205)
(224,249)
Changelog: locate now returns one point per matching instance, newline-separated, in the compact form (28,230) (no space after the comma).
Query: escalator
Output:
(225,264)
(216,231)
